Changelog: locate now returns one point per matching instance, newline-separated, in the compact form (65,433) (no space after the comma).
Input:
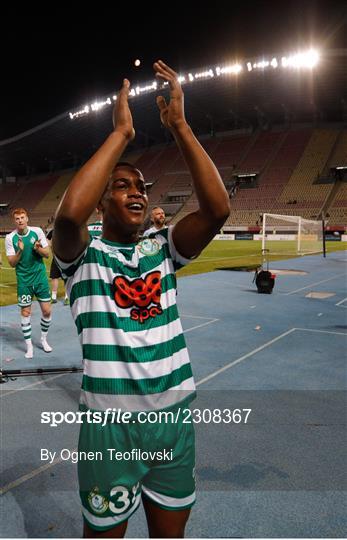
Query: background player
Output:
(158,220)
(25,248)
(55,275)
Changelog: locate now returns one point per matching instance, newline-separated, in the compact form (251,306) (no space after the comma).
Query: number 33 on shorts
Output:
(122,499)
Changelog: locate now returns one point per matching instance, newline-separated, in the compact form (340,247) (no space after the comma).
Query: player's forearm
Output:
(14,259)
(88,185)
(211,193)
(44,252)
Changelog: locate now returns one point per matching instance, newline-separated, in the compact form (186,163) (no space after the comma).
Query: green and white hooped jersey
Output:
(30,269)
(123,301)
(152,230)
(95,229)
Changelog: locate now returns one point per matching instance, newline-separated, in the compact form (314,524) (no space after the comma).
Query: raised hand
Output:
(172,113)
(122,119)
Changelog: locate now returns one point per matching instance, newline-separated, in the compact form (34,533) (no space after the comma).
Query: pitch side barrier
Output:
(7,375)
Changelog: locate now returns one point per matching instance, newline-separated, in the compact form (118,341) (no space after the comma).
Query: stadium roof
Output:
(259,98)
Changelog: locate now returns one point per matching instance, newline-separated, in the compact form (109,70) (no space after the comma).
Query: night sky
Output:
(54,63)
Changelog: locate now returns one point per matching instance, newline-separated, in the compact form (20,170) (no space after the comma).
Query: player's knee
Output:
(166,524)
(116,532)
(167,530)
(46,311)
(25,311)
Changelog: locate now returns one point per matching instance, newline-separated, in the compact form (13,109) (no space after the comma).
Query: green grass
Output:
(244,255)
(234,255)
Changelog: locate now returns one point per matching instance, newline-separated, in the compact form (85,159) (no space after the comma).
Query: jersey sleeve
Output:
(178,259)
(42,237)
(9,246)
(69,268)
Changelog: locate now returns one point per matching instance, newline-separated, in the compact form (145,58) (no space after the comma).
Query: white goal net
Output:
(291,234)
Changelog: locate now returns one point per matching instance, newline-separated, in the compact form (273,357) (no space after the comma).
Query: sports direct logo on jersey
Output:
(143,294)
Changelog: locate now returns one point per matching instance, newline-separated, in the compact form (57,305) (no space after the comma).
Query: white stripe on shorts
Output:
(164,500)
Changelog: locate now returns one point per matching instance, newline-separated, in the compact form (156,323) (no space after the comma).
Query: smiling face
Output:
(124,204)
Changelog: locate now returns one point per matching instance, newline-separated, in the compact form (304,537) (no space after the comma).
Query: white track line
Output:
(238,360)
(341,302)
(313,284)
(321,331)
(30,475)
(200,326)
(196,317)
(3,394)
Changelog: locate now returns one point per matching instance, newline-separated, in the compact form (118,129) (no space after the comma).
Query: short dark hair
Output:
(124,164)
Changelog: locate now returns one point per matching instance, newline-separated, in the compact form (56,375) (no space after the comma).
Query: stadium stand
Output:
(287,162)
(300,185)
(27,194)
(338,210)
(9,193)
(49,202)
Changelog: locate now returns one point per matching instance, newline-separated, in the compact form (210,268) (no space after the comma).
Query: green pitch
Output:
(244,255)
(237,255)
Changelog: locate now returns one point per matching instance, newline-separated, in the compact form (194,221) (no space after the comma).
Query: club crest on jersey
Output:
(142,295)
(149,246)
(97,502)
(32,240)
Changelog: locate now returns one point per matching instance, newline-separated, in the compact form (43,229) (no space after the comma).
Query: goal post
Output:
(294,235)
